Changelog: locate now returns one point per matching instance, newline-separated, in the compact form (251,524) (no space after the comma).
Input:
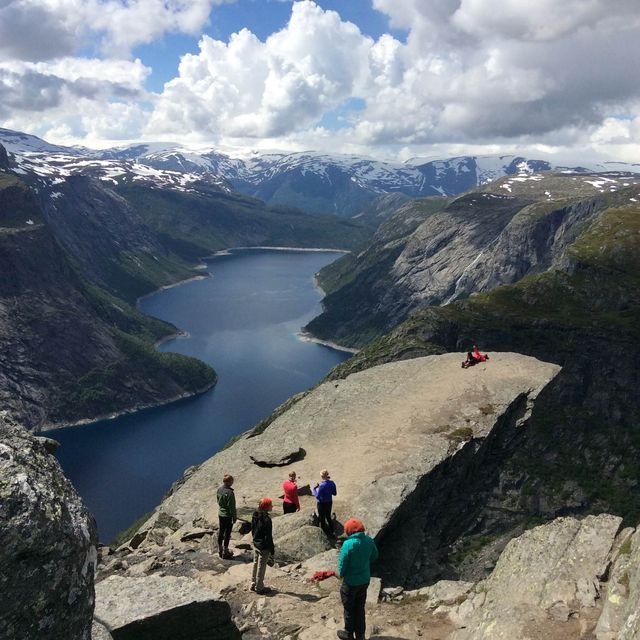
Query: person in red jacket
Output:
(291,502)
(474,357)
(479,357)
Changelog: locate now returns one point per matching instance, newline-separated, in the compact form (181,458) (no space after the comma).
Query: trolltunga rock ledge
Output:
(379,432)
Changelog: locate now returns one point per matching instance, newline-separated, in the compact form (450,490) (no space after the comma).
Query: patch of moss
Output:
(128,533)
(471,546)
(625,547)
(460,435)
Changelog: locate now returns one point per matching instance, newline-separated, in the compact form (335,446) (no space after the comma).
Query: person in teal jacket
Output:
(354,567)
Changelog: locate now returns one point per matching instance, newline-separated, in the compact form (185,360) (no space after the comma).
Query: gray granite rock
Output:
(299,545)
(544,577)
(47,545)
(289,522)
(620,618)
(445,593)
(379,431)
(275,457)
(325,561)
(163,608)
(100,632)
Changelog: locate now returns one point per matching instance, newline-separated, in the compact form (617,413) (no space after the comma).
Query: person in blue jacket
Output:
(324,492)
(354,567)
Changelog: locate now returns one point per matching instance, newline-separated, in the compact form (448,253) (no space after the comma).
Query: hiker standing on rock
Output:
(226,515)
(354,567)
(263,548)
(324,492)
(291,502)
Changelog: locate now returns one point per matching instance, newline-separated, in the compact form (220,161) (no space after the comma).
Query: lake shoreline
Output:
(181,333)
(243,321)
(125,412)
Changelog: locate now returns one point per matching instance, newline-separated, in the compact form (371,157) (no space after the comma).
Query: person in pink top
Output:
(291,501)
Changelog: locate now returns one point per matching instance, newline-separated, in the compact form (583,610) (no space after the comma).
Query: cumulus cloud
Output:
(46,29)
(536,72)
(80,97)
(249,88)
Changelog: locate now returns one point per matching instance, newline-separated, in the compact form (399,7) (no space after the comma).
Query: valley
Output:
(452,469)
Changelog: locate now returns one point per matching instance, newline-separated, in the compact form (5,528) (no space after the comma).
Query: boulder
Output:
(163,608)
(542,579)
(325,561)
(276,456)
(445,593)
(289,522)
(47,544)
(300,545)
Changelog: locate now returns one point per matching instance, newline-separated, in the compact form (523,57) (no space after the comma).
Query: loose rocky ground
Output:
(570,579)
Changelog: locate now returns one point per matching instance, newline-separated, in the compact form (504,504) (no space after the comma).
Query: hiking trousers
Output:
(353,601)
(324,514)
(224,532)
(289,507)
(260,559)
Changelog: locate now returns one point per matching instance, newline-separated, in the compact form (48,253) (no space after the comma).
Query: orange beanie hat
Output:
(353,525)
(265,504)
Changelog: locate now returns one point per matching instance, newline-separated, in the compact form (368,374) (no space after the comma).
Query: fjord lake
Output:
(244,321)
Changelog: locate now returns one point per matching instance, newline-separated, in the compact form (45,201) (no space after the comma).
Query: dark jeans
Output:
(324,514)
(289,507)
(353,601)
(224,532)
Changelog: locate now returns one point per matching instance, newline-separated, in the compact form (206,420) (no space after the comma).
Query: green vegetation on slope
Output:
(140,368)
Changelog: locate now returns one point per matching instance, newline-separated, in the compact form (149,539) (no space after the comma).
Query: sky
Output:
(390,79)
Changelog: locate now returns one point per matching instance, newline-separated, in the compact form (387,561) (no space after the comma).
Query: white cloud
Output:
(251,89)
(537,74)
(46,29)
(74,98)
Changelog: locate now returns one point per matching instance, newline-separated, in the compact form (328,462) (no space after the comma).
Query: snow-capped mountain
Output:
(316,182)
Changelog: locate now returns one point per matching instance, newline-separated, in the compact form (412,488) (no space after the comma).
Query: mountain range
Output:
(344,185)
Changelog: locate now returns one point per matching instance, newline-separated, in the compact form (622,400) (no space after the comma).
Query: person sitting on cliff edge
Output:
(354,567)
(227,515)
(474,357)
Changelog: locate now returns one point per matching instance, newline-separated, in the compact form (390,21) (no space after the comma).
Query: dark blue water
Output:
(243,321)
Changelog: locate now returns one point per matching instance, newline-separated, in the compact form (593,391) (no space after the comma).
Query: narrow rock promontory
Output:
(382,433)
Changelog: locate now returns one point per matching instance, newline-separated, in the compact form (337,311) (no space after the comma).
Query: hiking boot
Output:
(227,554)
(344,635)
(263,591)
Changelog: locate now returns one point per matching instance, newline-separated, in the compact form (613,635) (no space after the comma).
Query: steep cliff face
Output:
(111,243)
(70,350)
(199,222)
(489,237)
(47,544)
